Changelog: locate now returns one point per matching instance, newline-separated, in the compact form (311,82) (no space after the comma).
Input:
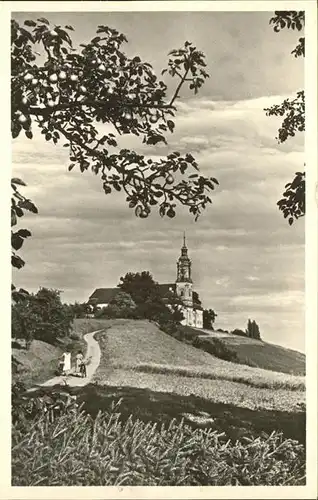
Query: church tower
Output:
(184,281)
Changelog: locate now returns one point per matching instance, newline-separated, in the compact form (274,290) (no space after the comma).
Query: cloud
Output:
(246,260)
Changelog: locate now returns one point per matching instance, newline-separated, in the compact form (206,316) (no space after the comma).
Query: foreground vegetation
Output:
(71,448)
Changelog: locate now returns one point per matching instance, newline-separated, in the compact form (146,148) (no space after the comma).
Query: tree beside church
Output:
(179,294)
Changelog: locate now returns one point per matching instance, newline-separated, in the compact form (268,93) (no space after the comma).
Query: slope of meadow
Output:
(268,356)
(257,353)
(36,364)
(138,354)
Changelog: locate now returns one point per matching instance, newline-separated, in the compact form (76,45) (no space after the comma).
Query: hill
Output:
(137,354)
(258,353)
(36,364)
(268,356)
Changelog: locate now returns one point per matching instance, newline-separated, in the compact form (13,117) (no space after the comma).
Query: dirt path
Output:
(73,380)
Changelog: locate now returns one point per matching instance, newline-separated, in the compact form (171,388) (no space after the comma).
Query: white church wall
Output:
(199,318)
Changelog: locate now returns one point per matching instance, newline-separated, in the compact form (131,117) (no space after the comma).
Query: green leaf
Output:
(16,241)
(19,212)
(28,22)
(15,130)
(170,125)
(13,218)
(24,233)
(29,134)
(17,261)
(43,20)
(28,205)
(15,180)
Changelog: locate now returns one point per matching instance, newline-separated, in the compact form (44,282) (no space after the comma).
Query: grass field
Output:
(36,364)
(257,353)
(268,356)
(138,354)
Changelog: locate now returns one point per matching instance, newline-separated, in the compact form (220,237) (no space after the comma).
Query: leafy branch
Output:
(292,203)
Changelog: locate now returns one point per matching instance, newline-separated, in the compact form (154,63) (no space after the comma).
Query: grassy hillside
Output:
(39,363)
(138,354)
(268,356)
(36,364)
(257,353)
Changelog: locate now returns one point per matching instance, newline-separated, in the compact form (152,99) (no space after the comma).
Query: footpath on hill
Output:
(73,380)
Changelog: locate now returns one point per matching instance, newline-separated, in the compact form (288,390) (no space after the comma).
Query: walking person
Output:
(83,368)
(65,363)
(78,361)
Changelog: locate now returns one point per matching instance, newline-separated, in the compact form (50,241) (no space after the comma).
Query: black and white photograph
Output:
(158,299)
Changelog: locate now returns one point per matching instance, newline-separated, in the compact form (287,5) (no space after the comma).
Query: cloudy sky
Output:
(247,261)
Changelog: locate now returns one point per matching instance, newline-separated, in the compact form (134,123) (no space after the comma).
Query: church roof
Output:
(103,295)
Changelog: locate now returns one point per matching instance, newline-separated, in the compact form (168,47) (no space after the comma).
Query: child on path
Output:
(78,361)
(83,368)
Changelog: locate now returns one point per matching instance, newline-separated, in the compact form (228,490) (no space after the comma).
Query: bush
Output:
(75,336)
(216,348)
(98,451)
(239,332)
(111,312)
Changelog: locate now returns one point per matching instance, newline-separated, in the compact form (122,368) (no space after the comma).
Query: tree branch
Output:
(95,104)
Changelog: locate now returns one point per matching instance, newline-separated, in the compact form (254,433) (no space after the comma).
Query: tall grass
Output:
(291,384)
(77,449)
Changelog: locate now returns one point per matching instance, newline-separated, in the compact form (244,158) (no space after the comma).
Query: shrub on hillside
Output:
(239,332)
(111,312)
(217,348)
(98,451)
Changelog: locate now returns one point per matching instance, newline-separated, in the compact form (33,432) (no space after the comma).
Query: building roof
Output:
(103,295)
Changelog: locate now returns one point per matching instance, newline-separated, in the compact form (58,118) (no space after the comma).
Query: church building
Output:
(183,288)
